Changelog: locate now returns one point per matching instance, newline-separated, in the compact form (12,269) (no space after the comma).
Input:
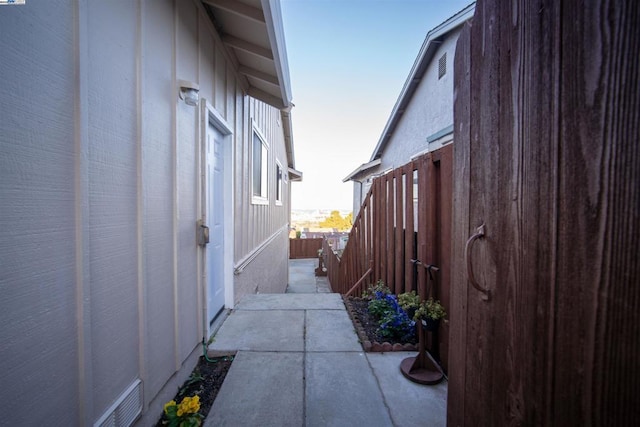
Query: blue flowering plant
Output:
(394,322)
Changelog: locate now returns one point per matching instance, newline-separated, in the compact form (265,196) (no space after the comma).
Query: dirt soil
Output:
(359,307)
(205,381)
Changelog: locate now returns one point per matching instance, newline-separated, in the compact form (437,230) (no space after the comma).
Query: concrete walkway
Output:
(299,363)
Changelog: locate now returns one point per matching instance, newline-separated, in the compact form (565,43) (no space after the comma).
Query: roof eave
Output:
(275,29)
(262,19)
(362,168)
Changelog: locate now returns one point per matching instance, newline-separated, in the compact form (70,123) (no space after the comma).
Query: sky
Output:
(348,61)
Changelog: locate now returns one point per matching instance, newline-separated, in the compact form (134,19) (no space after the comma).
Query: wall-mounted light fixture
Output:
(189,92)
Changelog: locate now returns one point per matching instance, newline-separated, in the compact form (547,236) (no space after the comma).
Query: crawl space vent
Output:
(125,410)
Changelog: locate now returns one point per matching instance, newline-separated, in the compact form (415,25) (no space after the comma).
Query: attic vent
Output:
(125,410)
(442,65)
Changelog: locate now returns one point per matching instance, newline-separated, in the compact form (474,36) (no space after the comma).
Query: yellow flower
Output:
(194,405)
(179,413)
(168,405)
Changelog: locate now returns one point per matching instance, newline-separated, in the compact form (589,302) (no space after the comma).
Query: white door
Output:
(215,221)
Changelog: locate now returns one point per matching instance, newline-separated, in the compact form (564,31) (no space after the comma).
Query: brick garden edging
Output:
(375,346)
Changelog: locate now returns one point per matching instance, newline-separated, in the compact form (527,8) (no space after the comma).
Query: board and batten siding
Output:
(39,337)
(261,230)
(99,188)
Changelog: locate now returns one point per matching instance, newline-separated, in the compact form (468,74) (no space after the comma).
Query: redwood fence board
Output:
(386,236)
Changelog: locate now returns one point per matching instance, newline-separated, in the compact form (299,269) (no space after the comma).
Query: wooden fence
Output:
(403,228)
(304,248)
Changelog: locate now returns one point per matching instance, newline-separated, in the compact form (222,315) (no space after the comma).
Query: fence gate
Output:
(546,302)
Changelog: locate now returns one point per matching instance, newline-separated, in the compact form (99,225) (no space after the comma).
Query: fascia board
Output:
(275,29)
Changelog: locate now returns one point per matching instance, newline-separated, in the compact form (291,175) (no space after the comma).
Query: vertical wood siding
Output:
(98,164)
(39,335)
(112,199)
(262,220)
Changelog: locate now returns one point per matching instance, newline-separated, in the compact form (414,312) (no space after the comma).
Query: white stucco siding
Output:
(38,337)
(429,111)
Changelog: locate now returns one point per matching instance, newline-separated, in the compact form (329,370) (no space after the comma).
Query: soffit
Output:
(252,33)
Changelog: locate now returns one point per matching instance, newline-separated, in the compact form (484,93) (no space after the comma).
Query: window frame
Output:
(279,183)
(263,197)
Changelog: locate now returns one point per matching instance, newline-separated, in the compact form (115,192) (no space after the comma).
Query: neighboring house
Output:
(126,128)
(422,118)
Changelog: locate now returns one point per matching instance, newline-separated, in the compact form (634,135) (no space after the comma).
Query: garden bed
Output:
(366,327)
(205,381)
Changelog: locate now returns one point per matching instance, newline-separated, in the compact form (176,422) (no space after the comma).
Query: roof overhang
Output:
(362,168)
(433,40)
(253,34)
(295,175)
(285,117)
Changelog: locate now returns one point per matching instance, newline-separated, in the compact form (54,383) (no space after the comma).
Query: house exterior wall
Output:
(39,263)
(261,230)
(429,111)
(99,164)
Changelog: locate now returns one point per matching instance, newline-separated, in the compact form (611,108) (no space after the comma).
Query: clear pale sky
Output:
(348,61)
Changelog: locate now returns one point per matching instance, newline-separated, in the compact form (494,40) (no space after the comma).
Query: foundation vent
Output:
(125,410)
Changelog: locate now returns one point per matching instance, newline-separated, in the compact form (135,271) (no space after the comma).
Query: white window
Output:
(259,170)
(279,179)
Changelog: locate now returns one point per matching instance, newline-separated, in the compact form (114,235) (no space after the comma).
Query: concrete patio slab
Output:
(291,302)
(410,404)
(304,288)
(340,391)
(296,366)
(330,330)
(273,330)
(261,389)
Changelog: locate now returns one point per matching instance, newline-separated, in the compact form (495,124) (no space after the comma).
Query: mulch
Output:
(212,376)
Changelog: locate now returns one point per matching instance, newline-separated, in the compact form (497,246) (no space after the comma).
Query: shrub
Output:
(397,325)
(378,308)
(431,309)
(409,300)
(376,291)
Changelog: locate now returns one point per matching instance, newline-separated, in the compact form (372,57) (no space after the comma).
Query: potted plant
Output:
(410,302)
(430,313)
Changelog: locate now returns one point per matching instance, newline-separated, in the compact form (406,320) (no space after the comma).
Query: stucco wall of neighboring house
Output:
(100,273)
(429,111)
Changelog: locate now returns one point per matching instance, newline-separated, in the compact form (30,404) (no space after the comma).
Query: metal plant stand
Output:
(421,369)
